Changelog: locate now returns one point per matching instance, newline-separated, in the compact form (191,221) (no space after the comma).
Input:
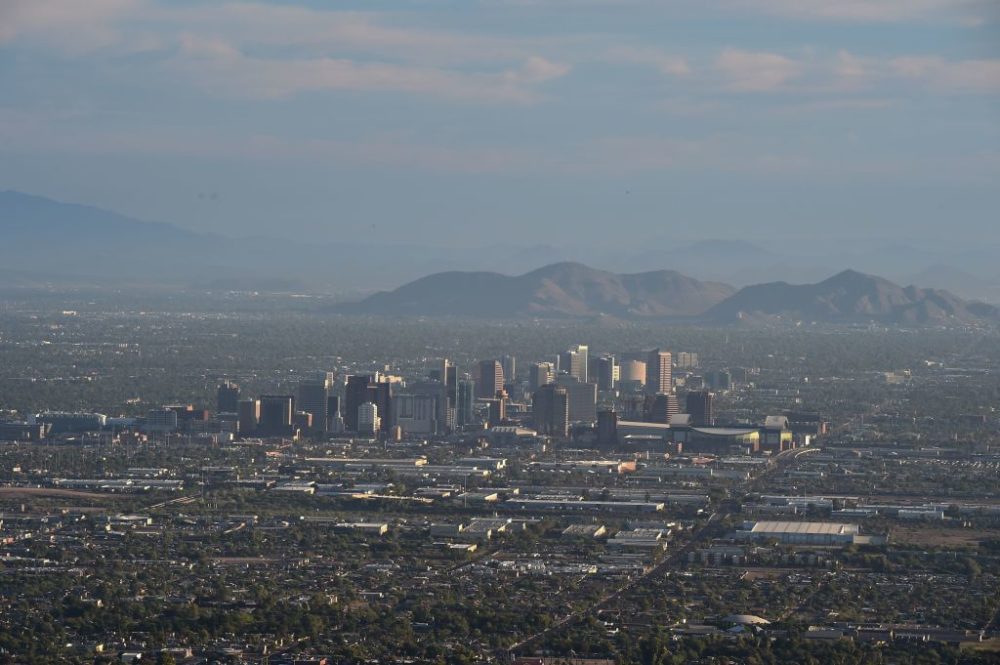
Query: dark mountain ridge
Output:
(850,296)
(560,290)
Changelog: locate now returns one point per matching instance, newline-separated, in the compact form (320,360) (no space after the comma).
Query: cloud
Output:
(755,71)
(970,76)
(221,67)
(71,25)
(666,63)
(963,12)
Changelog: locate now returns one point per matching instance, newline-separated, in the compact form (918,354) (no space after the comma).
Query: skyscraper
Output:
(314,393)
(355,394)
(582,398)
(606,371)
(659,373)
(662,407)
(550,410)
(490,378)
(249,416)
(227,397)
(540,374)
(574,362)
(509,365)
(465,412)
(276,413)
(699,405)
(368,419)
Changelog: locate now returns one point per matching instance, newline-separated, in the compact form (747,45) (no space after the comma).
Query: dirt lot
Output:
(18,492)
(931,536)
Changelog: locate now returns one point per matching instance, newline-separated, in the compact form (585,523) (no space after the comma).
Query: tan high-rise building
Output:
(632,371)
(659,373)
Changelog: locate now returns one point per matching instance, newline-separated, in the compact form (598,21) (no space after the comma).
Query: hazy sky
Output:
(541,121)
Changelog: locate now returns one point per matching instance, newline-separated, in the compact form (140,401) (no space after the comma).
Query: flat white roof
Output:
(831,528)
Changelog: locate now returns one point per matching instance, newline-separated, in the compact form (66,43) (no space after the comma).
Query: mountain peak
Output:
(559,290)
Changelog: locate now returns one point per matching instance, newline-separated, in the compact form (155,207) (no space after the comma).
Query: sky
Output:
(464,123)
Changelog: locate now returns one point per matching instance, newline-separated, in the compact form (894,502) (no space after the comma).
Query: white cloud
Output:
(971,76)
(74,26)
(963,12)
(755,71)
(221,67)
(666,63)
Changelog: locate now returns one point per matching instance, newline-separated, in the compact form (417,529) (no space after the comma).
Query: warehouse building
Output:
(801,533)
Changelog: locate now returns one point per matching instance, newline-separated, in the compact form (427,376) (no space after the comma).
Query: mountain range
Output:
(48,242)
(560,290)
(572,290)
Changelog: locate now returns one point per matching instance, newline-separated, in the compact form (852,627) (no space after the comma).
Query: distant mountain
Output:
(50,242)
(561,290)
(850,296)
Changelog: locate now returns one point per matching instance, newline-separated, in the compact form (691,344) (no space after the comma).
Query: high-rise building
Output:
(662,407)
(382,393)
(416,413)
(491,378)
(540,374)
(582,398)
(699,405)
(509,365)
(314,395)
(276,413)
(465,412)
(249,416)
(498,409)
(632,372)
(719,380)
(687,360)
(659,373)
(607,428)
(607,368)
(574,362)
(227,397)
(368,419)
(550,410)
(355,394)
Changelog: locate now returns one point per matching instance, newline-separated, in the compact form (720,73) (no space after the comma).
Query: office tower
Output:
(498,409)
(583,353)
(355,394)
(276,413)
(368,419)
(227,398)
(632,372)
(314,393)
(719,380)
(607,428)
(606,371)
(416,413)
(574,362)
(465,412)
(381,393)
(662,407)
(249,416)
(699,405)
(550,410)
(509,365)
(686,360)
(490,378)
(540,374)
(659,373)
(582,398)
